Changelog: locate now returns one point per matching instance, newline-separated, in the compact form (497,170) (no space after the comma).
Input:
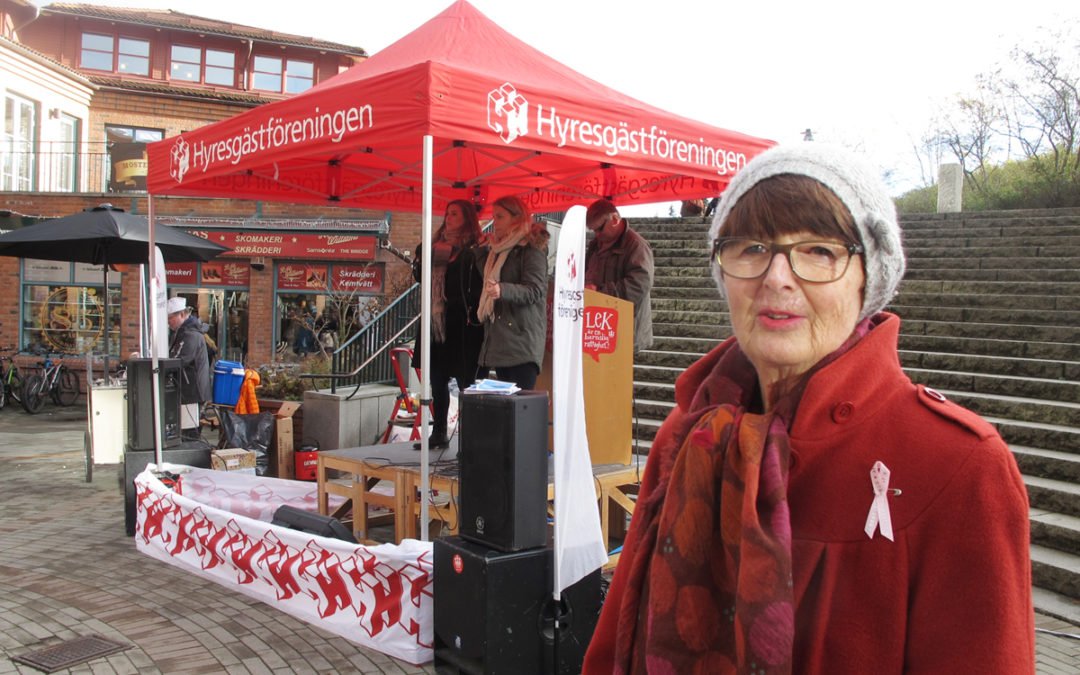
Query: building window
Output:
(97,51)
(17,144)
(63,309)
(283,75)
(127,56)
(208,66)
(127,156)
(64,158)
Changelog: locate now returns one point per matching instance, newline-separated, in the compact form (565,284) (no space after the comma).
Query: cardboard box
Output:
(284,444)
(233,459)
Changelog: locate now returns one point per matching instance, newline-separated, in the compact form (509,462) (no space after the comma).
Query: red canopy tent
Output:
(504,119)
(457,109)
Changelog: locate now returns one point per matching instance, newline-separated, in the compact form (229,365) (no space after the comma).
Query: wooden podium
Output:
(607,364)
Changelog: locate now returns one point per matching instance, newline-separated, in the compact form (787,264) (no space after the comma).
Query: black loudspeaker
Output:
(503,464)
(312,523)
(140,403)
(494,612)
(198,455)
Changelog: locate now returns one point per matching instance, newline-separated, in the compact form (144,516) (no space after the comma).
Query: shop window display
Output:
(66,319)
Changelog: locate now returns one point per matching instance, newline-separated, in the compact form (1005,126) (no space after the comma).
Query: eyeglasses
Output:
(818,262)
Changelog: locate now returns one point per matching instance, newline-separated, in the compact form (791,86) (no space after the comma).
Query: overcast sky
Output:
(865,74)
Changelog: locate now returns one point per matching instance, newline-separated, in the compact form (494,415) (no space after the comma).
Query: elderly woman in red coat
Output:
(806,508)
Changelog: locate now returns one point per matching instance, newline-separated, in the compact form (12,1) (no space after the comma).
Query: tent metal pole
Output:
(425,340)
(152,328)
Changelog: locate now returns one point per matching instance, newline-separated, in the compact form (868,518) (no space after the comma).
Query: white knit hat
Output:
(857,186)
(175,305)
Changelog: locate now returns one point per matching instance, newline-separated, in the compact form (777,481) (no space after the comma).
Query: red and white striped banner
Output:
(376,596)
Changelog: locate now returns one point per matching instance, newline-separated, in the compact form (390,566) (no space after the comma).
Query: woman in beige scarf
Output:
(514,300)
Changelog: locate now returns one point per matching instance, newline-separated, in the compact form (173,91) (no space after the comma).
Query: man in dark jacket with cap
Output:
(619,262)
(186,342)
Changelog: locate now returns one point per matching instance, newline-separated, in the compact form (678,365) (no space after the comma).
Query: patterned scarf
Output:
(438,303)
(710,585)
(493,270)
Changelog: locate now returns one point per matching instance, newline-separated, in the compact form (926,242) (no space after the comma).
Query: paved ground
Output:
(68,570)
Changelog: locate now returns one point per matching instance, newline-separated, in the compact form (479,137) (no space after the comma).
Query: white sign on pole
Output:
(579,541)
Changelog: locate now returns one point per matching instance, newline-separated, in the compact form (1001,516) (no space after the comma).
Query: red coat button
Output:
(843,412)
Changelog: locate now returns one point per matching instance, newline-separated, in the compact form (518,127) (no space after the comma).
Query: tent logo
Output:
(507,113)
(179,160)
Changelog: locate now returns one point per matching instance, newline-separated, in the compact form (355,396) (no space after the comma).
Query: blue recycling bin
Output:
(228,376)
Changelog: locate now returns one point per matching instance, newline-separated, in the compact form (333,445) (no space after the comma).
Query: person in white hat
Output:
(187,343)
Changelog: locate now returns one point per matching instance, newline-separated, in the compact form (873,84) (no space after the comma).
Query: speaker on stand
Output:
(140,384)
(503,469)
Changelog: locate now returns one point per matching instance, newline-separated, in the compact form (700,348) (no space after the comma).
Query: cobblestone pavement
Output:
(68,570)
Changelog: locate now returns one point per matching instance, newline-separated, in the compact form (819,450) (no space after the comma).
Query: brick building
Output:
(85,88)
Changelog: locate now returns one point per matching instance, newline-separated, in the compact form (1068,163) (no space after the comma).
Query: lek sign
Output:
(600,331)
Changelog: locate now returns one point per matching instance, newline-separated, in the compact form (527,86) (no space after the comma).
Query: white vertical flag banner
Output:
(579,541)
(159,293)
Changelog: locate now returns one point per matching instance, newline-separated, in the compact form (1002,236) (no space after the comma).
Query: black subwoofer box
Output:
(503,463)
(196,454)
(494,612)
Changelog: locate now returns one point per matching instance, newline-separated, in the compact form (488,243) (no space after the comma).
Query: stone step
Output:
(651,409)
(987,315)
(1011,275)
(1051,464)
(692,242)
(980,232)
(712,304)
(688,292)
(981,345)
(998,331)
(1055,570)
(656,374)
(653,391)
(696,271)
(1014,407)
(684,258)
(712,318)
(1052,495)
(689,345)
(664,279)
(1036,435)
(997,263)
(1053,302)
(976,219)
(708,331)
(1018,239)
(1043,250)
(991,365)
(1064,391)
(671,359)
(1055,530)
(993,287)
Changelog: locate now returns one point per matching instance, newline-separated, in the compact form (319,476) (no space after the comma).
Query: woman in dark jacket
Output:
(456,333)
(513,306)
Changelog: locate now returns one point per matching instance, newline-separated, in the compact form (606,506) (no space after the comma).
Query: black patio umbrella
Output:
(105,235)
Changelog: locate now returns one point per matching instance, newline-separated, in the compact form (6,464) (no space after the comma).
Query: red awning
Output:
(505,119)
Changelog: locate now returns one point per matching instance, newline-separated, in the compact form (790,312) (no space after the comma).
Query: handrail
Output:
(366,346)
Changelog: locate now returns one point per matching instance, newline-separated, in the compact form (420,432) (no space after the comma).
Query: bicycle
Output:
(11,381)
(56,380)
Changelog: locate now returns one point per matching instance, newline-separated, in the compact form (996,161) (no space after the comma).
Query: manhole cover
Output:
(67,654)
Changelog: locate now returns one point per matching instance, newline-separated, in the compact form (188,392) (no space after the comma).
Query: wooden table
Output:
(363,468)
(399,464)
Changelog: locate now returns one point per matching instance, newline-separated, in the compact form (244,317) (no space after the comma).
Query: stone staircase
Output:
(990,310)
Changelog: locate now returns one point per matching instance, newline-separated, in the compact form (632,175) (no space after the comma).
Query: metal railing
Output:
(57,166)
(365,357)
